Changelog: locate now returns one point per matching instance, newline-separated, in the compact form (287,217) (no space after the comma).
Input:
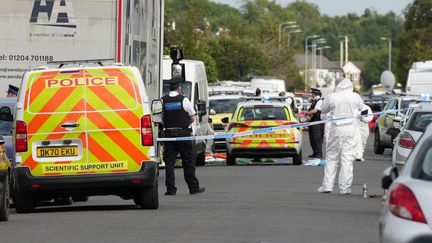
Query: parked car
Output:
(410,133)
(407,211)
(391,119)
(252,115)
(7,105)
(222,106)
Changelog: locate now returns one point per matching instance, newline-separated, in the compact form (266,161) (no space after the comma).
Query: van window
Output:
(91,90)
(186,89)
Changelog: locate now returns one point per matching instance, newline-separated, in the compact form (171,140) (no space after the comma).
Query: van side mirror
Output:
(6,114)
(157,107)
(225,120)
(389,175)
(202,108)
(212,112)
(397,119)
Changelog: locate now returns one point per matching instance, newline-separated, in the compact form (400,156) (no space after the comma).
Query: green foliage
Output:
(416,41)
(250,46)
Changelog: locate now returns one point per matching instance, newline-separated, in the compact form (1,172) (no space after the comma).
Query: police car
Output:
(258,114)
(391,119)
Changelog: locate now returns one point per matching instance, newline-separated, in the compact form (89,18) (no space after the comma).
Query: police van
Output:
(84,131)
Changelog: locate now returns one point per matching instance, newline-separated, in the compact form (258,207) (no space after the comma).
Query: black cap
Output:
(2,141)
(316,91)
(13,89)
(175,82)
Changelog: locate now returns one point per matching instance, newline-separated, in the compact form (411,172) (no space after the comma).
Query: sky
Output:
(342,7)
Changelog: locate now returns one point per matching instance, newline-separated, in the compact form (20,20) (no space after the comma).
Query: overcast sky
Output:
(342,7)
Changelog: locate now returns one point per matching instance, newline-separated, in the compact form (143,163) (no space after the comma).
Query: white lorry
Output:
(419,81)
(36,32)
(268,84)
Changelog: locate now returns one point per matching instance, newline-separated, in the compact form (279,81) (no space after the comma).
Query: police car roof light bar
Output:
(96,61)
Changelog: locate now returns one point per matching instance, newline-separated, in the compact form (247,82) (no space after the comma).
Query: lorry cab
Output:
(84,131)
(195,88)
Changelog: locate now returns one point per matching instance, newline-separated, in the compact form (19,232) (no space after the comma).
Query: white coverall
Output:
(363,125)
(341,146)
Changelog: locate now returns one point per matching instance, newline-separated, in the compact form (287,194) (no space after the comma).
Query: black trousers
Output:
(185,148)
(316,134)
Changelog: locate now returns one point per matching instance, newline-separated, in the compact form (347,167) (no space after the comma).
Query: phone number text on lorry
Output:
(35,58)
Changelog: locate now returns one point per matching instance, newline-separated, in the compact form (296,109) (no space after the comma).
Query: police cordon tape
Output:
(268,129)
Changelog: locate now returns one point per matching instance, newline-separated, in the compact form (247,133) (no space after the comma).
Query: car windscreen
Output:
(419,121)
(224,105)
(186,88)
(405,105)
(263,113)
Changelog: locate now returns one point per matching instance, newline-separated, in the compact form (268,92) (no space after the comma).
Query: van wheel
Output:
(200,159)
(297,159)
(230,159)
(80,198)
(5,199)
(23,204)
(378,148)
(148,198)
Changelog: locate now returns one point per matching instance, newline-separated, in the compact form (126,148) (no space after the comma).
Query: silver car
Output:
(407,212)
(411,132)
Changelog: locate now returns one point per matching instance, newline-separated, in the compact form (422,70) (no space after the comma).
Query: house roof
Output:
(325,62)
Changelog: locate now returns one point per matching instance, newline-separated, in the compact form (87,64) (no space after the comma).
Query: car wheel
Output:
(297,159)
(148,198)
(230,159)
(80,198)
(5,199)
(23,204)
(378,148)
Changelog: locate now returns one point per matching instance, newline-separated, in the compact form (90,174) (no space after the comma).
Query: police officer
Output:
(316,132)
(178,115)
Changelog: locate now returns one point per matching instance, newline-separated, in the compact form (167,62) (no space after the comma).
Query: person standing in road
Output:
(341,146)
(363,125)
(178,115)
(316,132)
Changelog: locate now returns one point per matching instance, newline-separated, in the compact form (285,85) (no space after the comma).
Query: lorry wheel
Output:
(200,159)
(378,148)
(297,159)
(80,198)
(23,204)
(230,160)
(148,198)
(5,199)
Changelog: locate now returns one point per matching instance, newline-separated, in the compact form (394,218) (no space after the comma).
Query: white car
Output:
(407,211)
(411,132)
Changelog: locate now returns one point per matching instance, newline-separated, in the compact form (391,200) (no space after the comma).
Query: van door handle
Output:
(69,125)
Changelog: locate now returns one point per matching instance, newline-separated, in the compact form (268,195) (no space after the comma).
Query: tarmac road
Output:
(268,203)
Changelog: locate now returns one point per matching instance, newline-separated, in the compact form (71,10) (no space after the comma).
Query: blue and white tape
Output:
(267,129)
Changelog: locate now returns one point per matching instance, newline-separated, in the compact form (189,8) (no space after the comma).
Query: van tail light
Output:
(236,124)
(403,204)
(406,141)
(21,144)
(146,131)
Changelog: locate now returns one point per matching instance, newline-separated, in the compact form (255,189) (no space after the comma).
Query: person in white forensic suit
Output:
(341,144)
(363,125)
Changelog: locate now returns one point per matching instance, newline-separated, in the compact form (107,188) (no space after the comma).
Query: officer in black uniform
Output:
(316,132)
(178,114)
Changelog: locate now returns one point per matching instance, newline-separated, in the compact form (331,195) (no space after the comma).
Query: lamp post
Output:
(306,56)
(280,29)
(292,32)
(314,47)
(389,51)
(320,53)
(342,63)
